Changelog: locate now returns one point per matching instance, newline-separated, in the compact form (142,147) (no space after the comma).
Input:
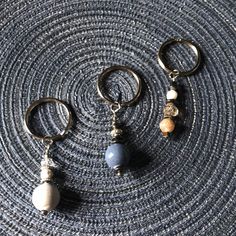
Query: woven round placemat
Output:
(183,185)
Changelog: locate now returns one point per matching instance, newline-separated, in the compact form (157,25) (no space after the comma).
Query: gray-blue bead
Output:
(117,155)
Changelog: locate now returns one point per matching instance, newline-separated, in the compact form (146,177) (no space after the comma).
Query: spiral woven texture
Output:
(183,185)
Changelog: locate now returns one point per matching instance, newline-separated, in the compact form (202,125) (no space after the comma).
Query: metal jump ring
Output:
(105,74)
(40,102)
(115,108)
(169,70)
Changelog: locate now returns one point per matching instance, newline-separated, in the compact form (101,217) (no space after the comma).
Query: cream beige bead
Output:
(171,95)
(167,125)
(46,197)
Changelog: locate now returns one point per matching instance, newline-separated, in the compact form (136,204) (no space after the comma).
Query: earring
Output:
(117,155)
(167,125)
(46,196)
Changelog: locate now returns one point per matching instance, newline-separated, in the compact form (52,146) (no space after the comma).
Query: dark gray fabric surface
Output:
(184,185)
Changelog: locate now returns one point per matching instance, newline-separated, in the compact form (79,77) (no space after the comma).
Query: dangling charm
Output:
(46,196)
(117,155)
(167,125)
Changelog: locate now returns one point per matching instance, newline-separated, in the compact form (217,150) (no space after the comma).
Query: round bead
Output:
(167,125)
(46,197)
(170,110)
(171,95)
(117,155)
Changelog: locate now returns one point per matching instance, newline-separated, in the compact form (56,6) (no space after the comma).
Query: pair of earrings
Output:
(47,196)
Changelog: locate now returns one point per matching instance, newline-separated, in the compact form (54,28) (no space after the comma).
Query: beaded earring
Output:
(167,125)
(46,196)
(117,155)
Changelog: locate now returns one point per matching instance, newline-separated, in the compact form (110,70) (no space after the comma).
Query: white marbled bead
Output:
(46,197)
(171,95)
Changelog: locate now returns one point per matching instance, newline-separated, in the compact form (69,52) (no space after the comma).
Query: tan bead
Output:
(167,125)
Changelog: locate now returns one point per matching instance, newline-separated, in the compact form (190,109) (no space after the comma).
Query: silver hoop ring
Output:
(105,74)
(40,102)
(176,72)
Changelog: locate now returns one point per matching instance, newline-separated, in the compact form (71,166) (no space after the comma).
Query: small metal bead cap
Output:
(46,174)
(116,132)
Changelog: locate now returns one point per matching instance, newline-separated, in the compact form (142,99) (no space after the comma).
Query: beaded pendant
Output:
(117,155)
(167,125)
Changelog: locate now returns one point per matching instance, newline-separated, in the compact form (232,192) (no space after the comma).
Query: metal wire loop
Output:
(105,75)
(171,71)
(115,107)
(47,140)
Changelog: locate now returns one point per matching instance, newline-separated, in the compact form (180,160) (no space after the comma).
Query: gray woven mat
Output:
(184,185)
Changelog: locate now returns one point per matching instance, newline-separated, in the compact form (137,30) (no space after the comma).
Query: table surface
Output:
(182,185)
